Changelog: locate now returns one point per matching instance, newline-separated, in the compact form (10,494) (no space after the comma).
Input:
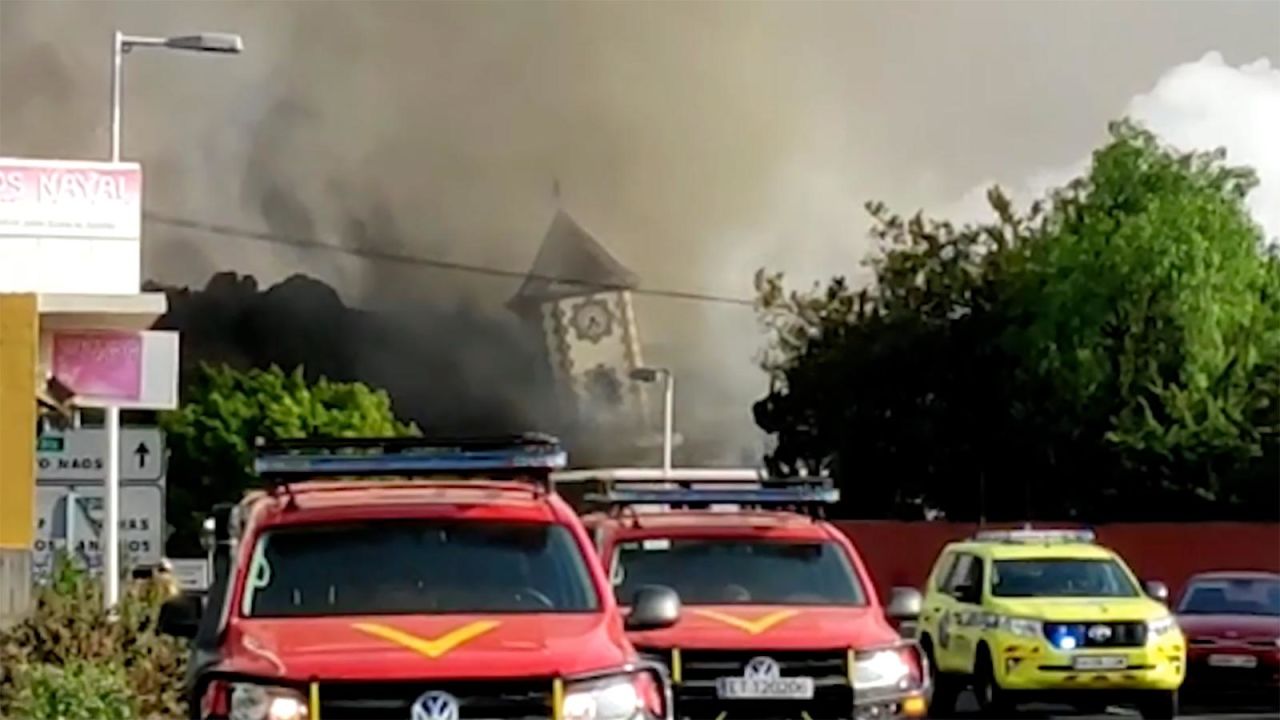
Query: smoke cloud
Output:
(698,141)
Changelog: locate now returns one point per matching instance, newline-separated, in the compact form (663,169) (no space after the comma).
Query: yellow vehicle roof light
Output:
(1035,537)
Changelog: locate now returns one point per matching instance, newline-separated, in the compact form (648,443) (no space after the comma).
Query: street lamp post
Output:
(122,44)
(649,375)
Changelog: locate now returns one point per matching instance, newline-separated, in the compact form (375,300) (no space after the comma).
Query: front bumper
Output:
(1035,665)
(1211,676)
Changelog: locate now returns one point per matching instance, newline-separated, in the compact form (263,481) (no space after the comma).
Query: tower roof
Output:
(571,262)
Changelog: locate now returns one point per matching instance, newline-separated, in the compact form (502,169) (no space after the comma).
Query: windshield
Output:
(738,571)
(1236,596)
(1067,577)
(417,567)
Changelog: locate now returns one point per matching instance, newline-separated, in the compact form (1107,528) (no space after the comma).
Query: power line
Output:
(434,263)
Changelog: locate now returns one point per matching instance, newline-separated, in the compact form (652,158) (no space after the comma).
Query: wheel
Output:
(1159,705)
(944,688)
(993,700)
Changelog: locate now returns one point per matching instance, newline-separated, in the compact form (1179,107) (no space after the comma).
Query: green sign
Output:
(54,443)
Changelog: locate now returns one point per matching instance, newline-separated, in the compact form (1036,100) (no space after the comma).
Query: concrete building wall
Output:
(19,347)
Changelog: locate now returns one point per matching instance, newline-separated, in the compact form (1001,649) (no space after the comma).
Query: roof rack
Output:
(703,488)
(530,456)
(1031,536)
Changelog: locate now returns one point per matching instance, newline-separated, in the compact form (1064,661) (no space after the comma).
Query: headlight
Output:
(885,669)
(1024,627)
(1161,626)
(261,702)
(633,696)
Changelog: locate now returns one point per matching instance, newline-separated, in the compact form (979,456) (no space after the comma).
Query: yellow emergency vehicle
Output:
(1048,616)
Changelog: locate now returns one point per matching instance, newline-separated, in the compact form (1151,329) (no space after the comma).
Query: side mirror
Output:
(1157,590)
(180,616)
(653,607)
(968,594)
(904,604)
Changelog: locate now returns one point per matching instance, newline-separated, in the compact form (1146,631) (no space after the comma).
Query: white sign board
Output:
(69,226)
(142,528)
(80,455)
(129,370)
(192,574)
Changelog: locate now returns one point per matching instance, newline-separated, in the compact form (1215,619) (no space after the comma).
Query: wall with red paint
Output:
(901,553)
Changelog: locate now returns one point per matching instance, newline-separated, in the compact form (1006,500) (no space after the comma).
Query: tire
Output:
(945,688)
(1159,705)
(993,700)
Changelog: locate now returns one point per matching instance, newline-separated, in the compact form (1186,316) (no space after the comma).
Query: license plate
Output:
(1233,661)
(1100,662)
(786,688)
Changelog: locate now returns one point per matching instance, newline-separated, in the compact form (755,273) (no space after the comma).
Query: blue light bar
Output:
(761,497)
(411,463)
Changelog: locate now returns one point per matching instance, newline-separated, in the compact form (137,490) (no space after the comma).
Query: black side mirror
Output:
(1157,590)
(653,607)
(180,616)
(904,604)
(968,594)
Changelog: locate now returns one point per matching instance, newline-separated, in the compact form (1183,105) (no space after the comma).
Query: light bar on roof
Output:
(417,462)
(1033,536)
(778,497)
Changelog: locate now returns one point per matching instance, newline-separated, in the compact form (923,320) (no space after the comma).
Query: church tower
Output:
(578,298)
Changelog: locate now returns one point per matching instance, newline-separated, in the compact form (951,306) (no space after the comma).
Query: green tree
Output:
(212,435)
(1114,349)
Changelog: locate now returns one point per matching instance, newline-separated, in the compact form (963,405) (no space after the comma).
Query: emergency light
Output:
(1035,537)
(527,454)
(697,487)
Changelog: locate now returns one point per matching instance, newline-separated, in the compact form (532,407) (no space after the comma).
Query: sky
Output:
(698,141)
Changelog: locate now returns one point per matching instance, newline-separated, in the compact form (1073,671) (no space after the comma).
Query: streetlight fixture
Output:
(649,375)
(122,44)
(222,43)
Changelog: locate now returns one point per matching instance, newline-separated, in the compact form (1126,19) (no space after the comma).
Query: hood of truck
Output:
(773,627)
(1231,627)
(406,647)
(1082,609)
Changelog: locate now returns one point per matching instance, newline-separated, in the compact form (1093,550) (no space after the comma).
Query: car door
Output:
(937,603)
(965,586)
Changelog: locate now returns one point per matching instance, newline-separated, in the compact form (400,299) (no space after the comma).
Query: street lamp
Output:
(648,375)
(224,43)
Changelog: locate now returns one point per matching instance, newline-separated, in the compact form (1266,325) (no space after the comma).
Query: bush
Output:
(69,626)
(77,691)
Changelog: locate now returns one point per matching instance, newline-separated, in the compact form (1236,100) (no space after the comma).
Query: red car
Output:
(456,585)
(780,618)
(1232,624)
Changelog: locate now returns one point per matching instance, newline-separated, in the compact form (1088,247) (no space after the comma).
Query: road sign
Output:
(192,574)
(80,455)
(142,526)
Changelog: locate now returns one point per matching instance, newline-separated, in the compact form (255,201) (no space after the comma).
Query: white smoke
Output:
(1201,105)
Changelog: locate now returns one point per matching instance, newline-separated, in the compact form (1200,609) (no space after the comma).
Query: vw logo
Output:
(1099,633)
(435,705)
(761,668)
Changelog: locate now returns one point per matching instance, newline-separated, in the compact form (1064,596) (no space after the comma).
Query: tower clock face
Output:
(592,320)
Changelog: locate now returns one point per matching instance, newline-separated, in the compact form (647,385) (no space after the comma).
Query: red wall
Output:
(902,553)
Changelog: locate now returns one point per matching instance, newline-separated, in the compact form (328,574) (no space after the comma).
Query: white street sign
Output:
(80,455)
(192,574)
(142,526)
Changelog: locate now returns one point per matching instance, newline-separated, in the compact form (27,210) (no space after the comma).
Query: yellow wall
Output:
(19,352)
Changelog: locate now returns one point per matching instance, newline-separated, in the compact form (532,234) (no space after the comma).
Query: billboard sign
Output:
(69,226)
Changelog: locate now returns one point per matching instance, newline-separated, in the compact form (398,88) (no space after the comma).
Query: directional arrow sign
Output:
(80,455)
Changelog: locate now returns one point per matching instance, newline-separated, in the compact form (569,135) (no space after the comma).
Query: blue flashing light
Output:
(1066,637)
(761,497)
(424,462)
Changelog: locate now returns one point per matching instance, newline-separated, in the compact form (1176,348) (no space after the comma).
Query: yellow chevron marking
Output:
(433,649)
(751,627)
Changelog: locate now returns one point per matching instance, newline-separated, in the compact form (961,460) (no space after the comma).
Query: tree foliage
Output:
(212,435)
(1112,351)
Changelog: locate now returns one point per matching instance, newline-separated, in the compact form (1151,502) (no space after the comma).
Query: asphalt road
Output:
(966,709)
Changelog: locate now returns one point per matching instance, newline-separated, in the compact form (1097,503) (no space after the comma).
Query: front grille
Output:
(1123,634)
(695,693)
(477,699)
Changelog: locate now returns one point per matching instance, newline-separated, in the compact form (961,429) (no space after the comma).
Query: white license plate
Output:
(1100,662)
(786,688)
(1233,661)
